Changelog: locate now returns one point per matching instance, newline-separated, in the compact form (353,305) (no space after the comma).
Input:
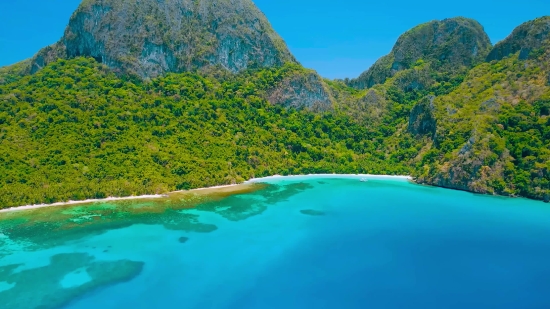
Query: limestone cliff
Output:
(530,37)
(302,89)
(150,37)
(453,43)
(422,120)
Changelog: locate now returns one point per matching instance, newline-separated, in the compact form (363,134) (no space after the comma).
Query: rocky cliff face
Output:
(150,37)
(469,168)
(448,44)
(303,89)
(373,106)
(422,120)
(526,39)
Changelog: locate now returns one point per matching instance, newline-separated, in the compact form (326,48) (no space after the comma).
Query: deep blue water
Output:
(334,243)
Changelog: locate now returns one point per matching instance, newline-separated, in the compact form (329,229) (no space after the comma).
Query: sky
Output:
(339,38)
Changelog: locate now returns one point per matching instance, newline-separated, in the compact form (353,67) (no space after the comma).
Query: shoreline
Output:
(343,176)
(108,199)
(156,196)
(88,201)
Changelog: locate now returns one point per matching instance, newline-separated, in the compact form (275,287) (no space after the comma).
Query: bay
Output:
(294,242)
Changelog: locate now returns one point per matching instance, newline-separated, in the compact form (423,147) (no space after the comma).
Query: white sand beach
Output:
(109,199)
(359,176)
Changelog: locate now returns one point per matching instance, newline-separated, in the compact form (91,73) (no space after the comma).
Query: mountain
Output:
(149,37)
(431,59)
(493,130)
(453,44)
(529,39)
(483,128)
(129,102)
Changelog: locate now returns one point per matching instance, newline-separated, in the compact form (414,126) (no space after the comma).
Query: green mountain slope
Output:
(14,72)
(74,130)
(483,130)
(529,39)
(493,132)
(448,46)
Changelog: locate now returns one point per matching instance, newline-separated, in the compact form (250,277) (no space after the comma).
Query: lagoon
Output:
(289,242)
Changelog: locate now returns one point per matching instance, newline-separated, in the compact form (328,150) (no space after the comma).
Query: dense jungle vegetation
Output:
(74,131)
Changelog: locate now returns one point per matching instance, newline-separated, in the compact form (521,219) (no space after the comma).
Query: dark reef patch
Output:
(42,287)
(312,212)
(243,206)
(53,226)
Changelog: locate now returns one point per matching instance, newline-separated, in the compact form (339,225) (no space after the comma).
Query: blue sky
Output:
(337,38)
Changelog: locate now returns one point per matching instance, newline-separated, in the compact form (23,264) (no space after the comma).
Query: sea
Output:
(329,241)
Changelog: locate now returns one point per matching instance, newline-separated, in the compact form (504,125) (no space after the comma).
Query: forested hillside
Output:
(74,130)
(485,130)
(493,132)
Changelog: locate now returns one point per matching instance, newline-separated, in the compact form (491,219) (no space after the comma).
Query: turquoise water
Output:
(303,242)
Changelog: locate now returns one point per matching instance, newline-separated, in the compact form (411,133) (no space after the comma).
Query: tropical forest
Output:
(88,118)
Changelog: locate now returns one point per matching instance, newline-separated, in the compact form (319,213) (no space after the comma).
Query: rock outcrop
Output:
(422,121)
(302,89)
(148,38)
(528,38)
(448,44)
(369,109)
(472,168)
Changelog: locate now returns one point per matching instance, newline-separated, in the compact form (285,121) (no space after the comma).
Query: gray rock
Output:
(149,37)
(302,90)
(422,120)
(526,38)
(468,146)
(490,105)
(451,110)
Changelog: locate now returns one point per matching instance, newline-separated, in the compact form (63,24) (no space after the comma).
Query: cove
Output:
(290,242)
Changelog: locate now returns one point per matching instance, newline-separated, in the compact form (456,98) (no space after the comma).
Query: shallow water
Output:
(302,242)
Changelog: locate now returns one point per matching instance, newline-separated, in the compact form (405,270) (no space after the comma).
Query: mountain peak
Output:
(526,38)
(150,37)
(453,42)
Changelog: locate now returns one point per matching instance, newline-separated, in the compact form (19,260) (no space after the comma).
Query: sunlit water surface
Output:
(309,242)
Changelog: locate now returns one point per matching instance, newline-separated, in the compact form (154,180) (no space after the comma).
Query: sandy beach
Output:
(214,188)
(109,199)
(367,176)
